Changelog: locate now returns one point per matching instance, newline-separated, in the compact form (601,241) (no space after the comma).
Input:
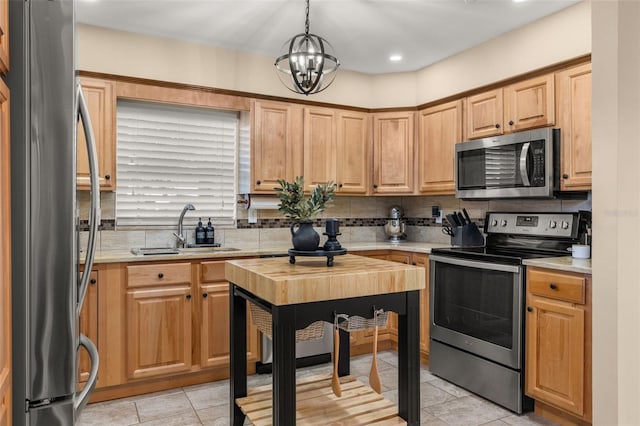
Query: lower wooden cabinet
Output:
(89,327)
(158,331)
(558,341)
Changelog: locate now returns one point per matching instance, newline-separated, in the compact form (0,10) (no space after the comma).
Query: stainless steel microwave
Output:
(518,165)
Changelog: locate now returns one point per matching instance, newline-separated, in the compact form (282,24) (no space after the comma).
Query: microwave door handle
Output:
(94,206)
(524,172)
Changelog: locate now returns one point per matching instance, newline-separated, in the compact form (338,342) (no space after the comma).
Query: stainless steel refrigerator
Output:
(48,289)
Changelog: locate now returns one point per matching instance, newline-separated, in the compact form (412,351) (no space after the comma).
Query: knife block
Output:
(467,236)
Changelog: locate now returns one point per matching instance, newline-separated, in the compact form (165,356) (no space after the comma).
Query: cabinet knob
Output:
(529,309)
(107,177)
(188,296)
(205,295)
(413,263)
(160,275)
(552,286)
(497,126)
(258,182)
(565,176)
(510,122)
(375,186)
(92,281)
(340,186)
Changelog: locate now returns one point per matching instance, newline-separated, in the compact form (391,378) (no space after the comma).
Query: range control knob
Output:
(503,222)
(565,224)
(494,222)
(553,224)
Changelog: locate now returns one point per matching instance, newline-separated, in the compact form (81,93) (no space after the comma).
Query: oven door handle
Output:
(477,264)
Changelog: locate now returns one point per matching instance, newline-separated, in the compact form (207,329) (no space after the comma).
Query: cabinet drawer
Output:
(557,285)
(160,274)
(212,271)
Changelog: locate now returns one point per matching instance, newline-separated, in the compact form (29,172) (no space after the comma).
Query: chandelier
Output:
(307,67)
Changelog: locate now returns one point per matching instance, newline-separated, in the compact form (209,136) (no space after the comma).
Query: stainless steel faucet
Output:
(182,240)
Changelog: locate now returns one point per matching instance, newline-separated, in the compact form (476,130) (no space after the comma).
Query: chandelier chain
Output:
(306,23)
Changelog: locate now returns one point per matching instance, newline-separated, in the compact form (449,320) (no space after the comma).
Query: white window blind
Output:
(168,156)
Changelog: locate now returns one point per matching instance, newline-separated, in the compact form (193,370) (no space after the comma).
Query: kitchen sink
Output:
(205,249)
(153,251)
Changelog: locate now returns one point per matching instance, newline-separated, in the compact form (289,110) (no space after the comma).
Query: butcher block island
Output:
(296,295)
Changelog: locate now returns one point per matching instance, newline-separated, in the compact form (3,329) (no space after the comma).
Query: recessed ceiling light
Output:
(395,58)
(518,1)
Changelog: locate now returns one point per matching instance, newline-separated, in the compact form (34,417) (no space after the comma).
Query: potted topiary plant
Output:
(302,210)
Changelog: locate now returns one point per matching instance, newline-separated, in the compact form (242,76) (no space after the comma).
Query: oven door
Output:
(477,307)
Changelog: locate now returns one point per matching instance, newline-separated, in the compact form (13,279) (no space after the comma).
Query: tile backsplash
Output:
(362,220)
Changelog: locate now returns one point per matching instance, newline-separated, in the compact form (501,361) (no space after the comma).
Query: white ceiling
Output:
(364,33)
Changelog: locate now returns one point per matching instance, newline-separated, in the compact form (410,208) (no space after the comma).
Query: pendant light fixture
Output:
(307,65)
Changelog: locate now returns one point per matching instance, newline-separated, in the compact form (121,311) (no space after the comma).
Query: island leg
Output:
(238,353)
(284,365)
(409,360)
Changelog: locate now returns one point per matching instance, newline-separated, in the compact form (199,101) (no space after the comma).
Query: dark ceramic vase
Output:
(305,238)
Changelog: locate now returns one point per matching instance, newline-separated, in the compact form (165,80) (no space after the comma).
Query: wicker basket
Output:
(262,320)
(354,323)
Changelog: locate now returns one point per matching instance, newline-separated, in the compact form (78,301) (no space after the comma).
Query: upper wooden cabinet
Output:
(440,129)
(484,114)
(276,144)
(101,102)
(393,156)
(319,146)
(336,149)
(353,153)
(4,36)
(529,104)
(573,98)
(522,105)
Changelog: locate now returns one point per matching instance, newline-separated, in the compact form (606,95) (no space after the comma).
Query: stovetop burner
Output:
(512,237)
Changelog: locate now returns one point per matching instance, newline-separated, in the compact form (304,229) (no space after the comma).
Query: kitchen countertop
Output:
(566,263)
(117,256)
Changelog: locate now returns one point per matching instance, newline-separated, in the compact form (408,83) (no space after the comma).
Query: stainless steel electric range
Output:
(477,301)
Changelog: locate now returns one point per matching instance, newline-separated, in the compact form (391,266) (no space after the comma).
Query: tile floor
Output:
(442,403)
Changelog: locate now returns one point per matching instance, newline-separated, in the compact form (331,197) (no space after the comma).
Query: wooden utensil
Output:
(335,380)
(374,376)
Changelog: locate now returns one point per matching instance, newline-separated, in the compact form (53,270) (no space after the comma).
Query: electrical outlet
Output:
(436,212)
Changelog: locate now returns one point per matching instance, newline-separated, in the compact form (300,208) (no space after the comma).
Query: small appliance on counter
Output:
(395,226)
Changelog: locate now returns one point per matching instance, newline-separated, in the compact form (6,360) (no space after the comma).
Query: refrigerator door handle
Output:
(94,208)
(81,398)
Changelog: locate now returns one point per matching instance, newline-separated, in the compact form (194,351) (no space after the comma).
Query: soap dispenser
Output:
(200,232)
(209,233)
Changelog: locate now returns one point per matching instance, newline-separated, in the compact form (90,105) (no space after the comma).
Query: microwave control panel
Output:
(538,224)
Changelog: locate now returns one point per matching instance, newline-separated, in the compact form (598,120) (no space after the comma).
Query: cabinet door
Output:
(101,102)
(555,353)
(5,259)
(4,39)
(440,130)
(574,119)
(423,260)
(393,153)
(214,331)
(158,328)
(484,114)
(277,131)
(89,326)
(352,153)
(215,325)
(319,146)
(530,103)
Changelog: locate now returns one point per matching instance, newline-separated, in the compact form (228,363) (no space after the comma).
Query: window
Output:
(168,156)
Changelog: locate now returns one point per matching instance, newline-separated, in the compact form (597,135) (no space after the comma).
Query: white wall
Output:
(616,212)
(562,36)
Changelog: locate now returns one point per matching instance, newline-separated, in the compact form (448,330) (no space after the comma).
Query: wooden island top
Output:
(278,282)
